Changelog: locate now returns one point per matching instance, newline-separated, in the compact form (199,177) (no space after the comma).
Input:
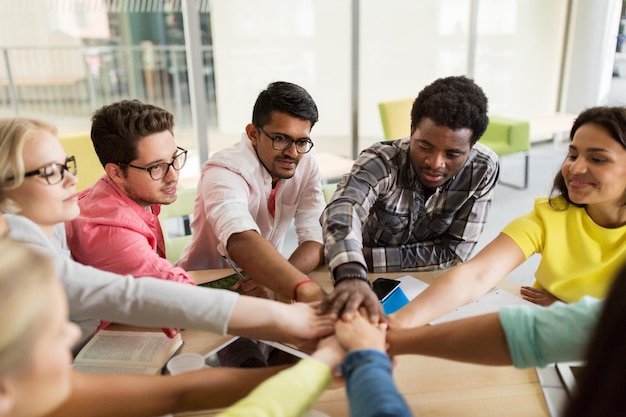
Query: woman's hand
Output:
(538,296)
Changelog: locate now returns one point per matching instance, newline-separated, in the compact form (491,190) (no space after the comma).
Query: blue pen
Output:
(242,278)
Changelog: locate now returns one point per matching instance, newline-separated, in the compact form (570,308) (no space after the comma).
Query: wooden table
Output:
(432,387)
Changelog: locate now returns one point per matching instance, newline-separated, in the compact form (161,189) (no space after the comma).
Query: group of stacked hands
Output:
(413,204)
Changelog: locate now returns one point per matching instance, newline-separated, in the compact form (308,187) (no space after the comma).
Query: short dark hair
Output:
(611,119)
(454,102)
(117,128)
(284,97)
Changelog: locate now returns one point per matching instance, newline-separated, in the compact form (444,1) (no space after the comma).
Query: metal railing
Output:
(74,81)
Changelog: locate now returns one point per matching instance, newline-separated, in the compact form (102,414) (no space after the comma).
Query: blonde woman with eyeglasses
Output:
(36,378)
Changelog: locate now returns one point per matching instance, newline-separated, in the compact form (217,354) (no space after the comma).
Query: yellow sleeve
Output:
(288,394)
(527,232)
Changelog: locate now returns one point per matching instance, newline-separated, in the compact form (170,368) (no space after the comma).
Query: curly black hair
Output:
(454,102)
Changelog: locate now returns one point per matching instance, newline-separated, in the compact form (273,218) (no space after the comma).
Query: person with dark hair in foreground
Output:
(413,204)
(36,378)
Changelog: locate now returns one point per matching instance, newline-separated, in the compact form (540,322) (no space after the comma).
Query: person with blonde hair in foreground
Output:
(36,378)
(35,374)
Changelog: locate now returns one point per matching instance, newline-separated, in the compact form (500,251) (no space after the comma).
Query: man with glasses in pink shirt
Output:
(118,228)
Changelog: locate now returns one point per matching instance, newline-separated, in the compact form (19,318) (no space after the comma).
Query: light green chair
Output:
(182,210)
(395,116)
(507,137)
(87,163)
(328,190)
(504,135)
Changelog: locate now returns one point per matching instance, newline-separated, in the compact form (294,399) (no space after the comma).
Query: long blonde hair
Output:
(25,277)
(14,132)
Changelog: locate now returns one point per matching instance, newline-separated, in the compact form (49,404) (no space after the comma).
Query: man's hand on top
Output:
(350,295)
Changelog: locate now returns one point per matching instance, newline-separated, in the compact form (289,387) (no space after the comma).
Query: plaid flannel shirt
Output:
(382,205)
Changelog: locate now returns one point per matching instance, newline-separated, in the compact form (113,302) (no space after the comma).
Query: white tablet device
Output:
(240,352)
(569,372)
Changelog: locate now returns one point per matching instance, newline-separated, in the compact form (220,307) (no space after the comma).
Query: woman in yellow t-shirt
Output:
(580,230)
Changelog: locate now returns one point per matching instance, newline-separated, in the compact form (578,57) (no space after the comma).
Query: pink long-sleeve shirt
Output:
(115,234)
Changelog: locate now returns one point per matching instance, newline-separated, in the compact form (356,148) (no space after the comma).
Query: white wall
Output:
(404,45)
(590,53)
(519,54)
(306,42)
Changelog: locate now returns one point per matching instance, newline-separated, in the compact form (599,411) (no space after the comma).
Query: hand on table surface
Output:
(538,296)
(254,289)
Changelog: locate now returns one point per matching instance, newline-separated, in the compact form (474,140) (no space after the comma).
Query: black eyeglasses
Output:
(280,143)
(159,171)
(54,172)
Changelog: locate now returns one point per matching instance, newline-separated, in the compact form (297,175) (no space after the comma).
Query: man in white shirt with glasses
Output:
(249,194)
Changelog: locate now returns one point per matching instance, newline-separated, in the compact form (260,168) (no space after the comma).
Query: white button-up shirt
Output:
(233,192)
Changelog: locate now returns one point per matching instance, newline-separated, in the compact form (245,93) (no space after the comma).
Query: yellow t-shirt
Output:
(578,256)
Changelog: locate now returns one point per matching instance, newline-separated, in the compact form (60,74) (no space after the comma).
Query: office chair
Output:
(182,210)
(87,162)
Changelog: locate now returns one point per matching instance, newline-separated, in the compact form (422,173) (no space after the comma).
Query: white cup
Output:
(185,362)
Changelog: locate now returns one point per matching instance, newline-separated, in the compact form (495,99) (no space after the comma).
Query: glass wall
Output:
(515,49)
(306,42)
(519,53)
(403,45)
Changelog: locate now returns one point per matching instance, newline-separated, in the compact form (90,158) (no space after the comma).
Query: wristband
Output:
(350,273)
(295,289)
(351,276)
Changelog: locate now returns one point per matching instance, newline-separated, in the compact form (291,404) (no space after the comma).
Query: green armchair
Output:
(395,116)
(87,163)
(182,208)
(506,137)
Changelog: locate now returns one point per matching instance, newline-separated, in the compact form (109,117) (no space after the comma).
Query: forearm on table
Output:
(149,395)
(454,288)
(479,339)
(463,283)
(260,259)
(257,318)
(307,256)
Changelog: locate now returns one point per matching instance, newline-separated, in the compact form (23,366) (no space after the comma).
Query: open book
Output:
(490,302)
(126,352)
